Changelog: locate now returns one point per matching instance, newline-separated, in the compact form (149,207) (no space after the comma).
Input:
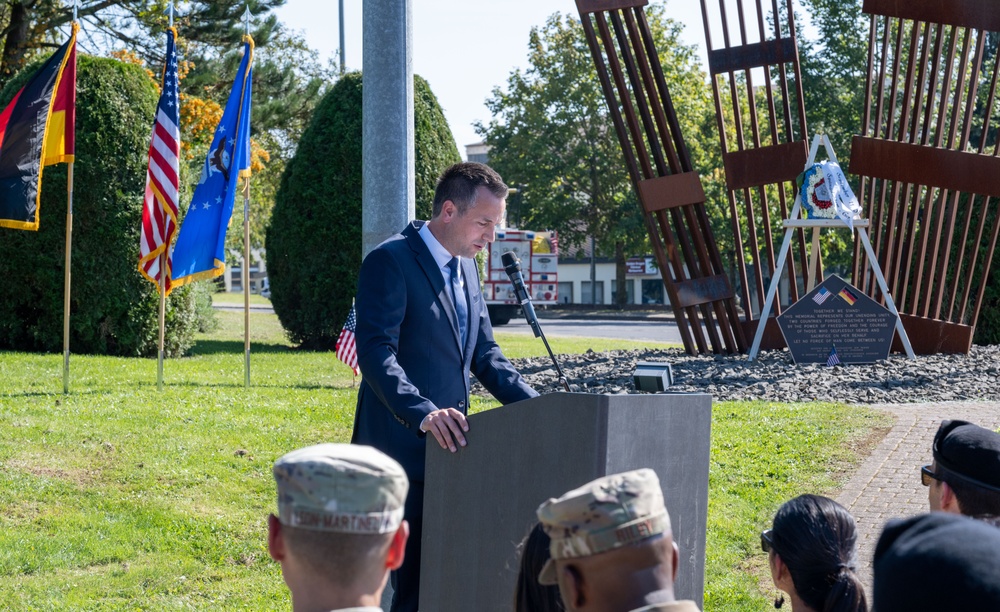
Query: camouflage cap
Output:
(602,515)
(345,488)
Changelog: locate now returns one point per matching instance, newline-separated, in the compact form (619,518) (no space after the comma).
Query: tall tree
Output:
(314,239)
(28,27)
(551,134)
(833,71)
(833,82)
(289,79)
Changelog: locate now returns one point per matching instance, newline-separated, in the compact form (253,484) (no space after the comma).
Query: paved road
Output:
(656,330)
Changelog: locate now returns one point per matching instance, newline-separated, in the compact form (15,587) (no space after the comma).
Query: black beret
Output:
(970,452)
(937,562)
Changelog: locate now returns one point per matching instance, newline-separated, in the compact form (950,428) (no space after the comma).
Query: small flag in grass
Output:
(833,360)
(347,347)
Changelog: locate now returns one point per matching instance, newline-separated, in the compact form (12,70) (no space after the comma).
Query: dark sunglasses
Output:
(766,544)
(926,475)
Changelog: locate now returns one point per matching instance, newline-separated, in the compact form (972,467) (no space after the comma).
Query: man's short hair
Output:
(460,182)
(967,457)
(341,558)
(958,554)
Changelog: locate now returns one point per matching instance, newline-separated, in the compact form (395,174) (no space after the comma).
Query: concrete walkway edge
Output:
(887,484)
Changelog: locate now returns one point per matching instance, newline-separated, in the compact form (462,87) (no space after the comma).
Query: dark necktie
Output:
(458,297)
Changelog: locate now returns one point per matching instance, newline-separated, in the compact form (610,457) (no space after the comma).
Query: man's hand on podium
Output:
(447,425)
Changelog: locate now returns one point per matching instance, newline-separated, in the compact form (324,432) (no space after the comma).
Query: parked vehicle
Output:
(538,252)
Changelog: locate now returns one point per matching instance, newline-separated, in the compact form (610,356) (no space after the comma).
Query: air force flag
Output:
(200,249)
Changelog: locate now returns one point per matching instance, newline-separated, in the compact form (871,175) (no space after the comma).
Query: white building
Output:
(643,283)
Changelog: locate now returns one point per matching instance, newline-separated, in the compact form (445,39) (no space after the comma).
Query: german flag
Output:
(848,296)
(37,129)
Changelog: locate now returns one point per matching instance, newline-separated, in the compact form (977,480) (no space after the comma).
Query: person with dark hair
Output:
(422,328)
(529,594)
(339,528)
(958,555)
(964,477)
(812,551)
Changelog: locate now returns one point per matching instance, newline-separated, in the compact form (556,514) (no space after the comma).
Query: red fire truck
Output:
(538,252)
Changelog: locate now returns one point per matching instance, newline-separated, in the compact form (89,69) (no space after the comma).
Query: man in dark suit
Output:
(422,328)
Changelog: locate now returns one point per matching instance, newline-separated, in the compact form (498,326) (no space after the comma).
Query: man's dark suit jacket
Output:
(409,348)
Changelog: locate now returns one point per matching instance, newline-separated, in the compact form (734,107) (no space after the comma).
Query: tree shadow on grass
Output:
(241,385)
(57,395)
(215,347)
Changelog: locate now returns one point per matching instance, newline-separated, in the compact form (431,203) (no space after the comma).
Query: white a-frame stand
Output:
(795,221)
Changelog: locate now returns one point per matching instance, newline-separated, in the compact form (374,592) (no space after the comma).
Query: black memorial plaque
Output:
(836,316)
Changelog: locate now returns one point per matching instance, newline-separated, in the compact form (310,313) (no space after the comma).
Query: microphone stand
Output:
(562,377)
(513,268)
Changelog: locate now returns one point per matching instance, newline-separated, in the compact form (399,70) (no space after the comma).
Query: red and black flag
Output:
(36,130)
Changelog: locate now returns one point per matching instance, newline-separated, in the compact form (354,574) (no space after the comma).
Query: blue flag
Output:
(200,249)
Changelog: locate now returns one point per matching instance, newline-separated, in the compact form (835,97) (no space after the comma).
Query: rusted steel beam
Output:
(763,140)
(670,193)
(766,165)
(981,14)
(929,185)
(941,168)
(754,55)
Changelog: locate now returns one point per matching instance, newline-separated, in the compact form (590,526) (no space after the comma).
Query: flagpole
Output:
(163,318)
(163,275)
(247,15)
(66,285)
(246,280)
(69,246)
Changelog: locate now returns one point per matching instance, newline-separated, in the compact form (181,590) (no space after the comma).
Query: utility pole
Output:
(389,174)
(343,60)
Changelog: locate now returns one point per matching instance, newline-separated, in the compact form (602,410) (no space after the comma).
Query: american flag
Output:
(159,207)
(833,360)
(821,295)
(347,347)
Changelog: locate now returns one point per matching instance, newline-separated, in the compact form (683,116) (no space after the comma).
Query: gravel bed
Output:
(775,377)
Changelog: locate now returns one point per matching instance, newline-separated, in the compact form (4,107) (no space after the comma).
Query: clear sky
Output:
(464,48)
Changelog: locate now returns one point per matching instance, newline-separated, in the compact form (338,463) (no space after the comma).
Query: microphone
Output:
(512,266)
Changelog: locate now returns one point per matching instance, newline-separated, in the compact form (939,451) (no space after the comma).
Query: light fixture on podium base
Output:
(652,376)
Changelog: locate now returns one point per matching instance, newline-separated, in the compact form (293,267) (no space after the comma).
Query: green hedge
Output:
(314,239)
(988,325)
(114,309)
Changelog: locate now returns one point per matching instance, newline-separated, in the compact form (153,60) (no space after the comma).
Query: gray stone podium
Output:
(480,502)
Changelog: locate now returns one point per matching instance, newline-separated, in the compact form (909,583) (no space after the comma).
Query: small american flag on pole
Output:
(833,360)
(159,208)
(347,347)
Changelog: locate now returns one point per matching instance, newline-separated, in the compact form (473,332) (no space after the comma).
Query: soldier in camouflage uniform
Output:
(612,548)
(339,529)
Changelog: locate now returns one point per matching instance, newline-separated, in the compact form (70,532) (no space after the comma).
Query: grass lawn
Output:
(117,497)
(236,299)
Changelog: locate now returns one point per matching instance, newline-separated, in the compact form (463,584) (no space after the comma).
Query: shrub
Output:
(314,239)
(988,325)
(113,310)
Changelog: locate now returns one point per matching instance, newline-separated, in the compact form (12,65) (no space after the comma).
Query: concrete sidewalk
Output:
(887,485)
